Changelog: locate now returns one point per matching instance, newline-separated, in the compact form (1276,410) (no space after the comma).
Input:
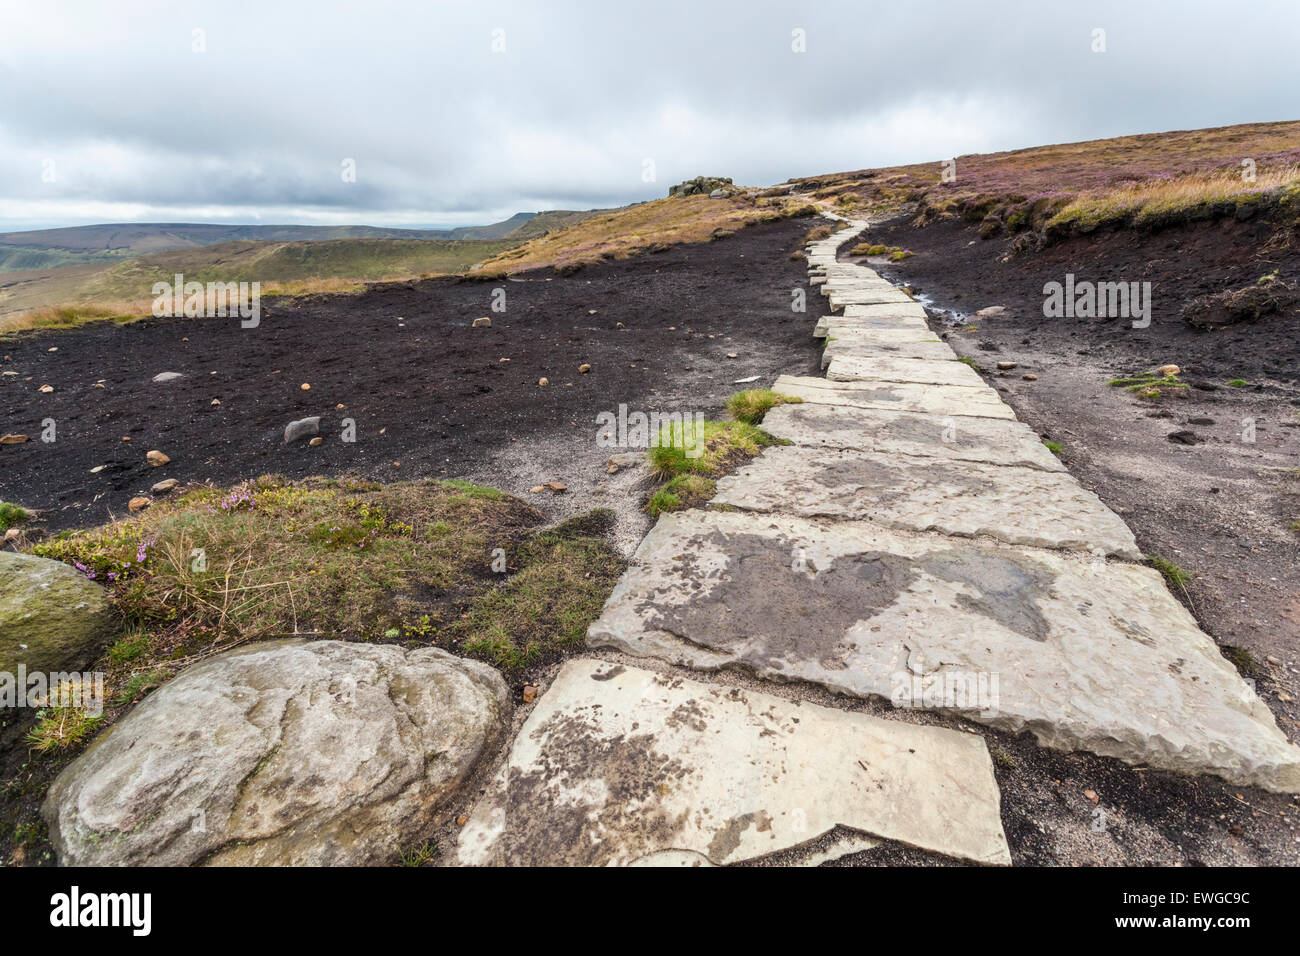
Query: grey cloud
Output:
(444,129)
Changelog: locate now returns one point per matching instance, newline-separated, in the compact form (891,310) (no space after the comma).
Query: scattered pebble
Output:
(156,459)
(543,382)
(584,368)
(12,439)
(483,322)
(164,486)
(138,504)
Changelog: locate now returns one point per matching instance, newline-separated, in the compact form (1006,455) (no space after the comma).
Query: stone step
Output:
(993,440)
(1024,506)
(841,299)
(941,400)
(827,323)
(866,296)
(868,343)
(622,766)
(1085,654)
(891,368)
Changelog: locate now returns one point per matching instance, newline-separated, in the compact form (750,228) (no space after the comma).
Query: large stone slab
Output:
(1027,506)
(865,299)
(1085,654)
(828,324)
(884,294)
(285,753)
(994,440)
(891,368)
(847,342)
(622,766)
(939,400)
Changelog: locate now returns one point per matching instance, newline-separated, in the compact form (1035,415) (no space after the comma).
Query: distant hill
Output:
(293,266)
(114,242)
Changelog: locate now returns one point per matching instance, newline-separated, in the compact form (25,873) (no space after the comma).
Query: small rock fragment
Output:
(167,376)
(1185,437)
(543,382)
(1092,795)
(316,441)
(12,439)
(138,504)
(1168,370)
(156,458)
(584,368)
(1030,377)
(46,388)
(557,486)
(991,312)
(536,489)
(530,691)
(1006,366)
(305,387)
(483,322)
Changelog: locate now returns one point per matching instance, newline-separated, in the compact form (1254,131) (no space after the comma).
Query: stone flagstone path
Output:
(912,542)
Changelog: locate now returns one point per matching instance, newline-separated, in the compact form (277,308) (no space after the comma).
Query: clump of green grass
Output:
(1238,383)
(1054,447)
(11,515)
(687,461)
(753,404)
(62,725)
(1174,576)
(708,450)
(684,491)
(421,855)
(817,232)
(1148,384)
(967,360)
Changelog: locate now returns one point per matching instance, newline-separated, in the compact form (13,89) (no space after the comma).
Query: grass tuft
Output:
(751,405)
(1175,576)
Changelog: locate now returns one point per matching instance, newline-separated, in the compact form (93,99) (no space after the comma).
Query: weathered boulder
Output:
(700,186)
(51,617)
(282,753)
(301,428)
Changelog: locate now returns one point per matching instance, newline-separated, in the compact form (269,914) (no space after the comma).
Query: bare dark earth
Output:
(430,396)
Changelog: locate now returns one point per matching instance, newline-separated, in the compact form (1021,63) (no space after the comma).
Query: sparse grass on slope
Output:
(412,562)
(1144,181)
(646,227)
(283,268)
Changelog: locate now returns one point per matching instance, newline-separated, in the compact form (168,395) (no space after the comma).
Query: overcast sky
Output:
(122,112)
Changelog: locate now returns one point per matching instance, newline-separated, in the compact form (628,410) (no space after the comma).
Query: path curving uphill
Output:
(914,542)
